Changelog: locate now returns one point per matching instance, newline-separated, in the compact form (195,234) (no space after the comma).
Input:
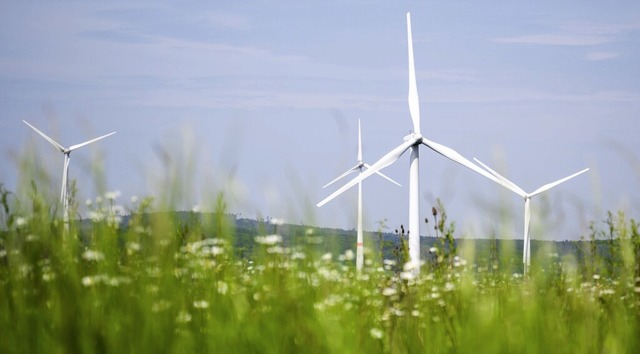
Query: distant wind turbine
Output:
(526,252)
(359,167)
(412,142)
(64,198)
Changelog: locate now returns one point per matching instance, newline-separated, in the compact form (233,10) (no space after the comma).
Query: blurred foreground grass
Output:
(160,284)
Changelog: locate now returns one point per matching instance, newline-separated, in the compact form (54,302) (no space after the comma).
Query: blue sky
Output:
(262,99)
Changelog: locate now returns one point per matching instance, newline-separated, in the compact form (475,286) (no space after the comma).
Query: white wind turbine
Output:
(359,167)
(413,142)
(64,198)
(526,251)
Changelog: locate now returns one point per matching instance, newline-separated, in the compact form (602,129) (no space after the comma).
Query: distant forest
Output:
(486,254)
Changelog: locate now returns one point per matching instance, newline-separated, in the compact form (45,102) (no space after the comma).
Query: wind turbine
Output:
(64,198)
(359,167)
(526,252)
(412,142)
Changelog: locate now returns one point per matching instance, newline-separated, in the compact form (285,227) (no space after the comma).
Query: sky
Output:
(261,100)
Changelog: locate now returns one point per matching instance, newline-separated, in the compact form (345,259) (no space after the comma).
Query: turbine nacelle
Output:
(416,138)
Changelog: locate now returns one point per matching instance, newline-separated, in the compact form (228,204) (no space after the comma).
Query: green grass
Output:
(166,285)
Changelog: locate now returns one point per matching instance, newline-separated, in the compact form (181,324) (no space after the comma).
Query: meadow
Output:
(163,284)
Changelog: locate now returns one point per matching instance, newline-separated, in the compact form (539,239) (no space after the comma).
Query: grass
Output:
(168,285)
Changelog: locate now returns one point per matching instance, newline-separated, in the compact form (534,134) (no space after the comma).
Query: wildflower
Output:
(160,306)
(96,216)
(298,255)
(607,292)
(20,221)
(202,304)
(348,255)
(389,291)
(48,276)
(376,333)
(269,240)
(449,286)
(88,202)
(327,257)
(407,275)
(87,281)
(134,199)
(409,266)
(183,317)
(415,313)
(196,208)
(133,247)
(275,249)
(276,221)
(116,281)
(433,250)
(223,288)
(3,253)
(215,250)
(389,262)
(112,195)
(90,255)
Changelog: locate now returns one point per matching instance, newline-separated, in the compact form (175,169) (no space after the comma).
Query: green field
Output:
(171,284)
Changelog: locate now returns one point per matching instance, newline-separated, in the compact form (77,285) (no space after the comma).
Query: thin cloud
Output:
(575,34)
(115,36)
(599,28)
(493,96)
(557,39)
(599,56)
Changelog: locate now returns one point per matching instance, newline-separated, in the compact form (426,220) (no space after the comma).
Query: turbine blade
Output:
(509,185)
(414,101)
(53,142)
(553,184)
(351,170)
(385,161)
(384,176)
(455,156)
(77,146)
(359,142)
